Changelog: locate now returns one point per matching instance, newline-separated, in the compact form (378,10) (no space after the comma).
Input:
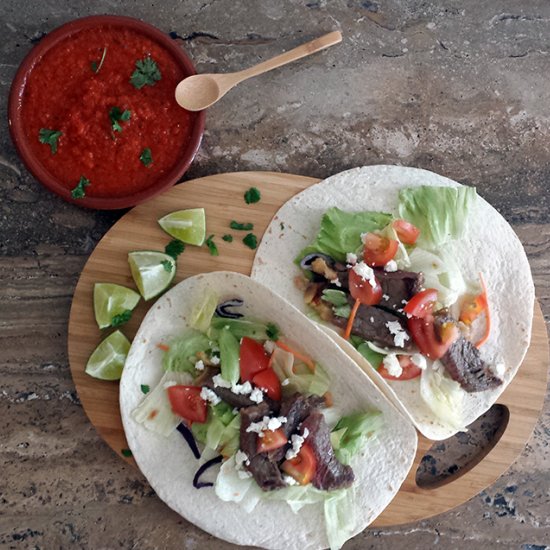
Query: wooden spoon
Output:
(199,91)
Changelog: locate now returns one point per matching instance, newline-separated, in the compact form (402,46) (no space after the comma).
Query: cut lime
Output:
(188,225)
(111,300)
(107,360)
(152,271)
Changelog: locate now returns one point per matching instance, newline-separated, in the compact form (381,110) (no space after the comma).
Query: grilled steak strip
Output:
(398,286)
(330,473)
(248,441)
(464,364)
(266,473)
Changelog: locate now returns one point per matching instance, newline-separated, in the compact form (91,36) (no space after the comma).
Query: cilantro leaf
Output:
(174,248)
(78,192)
(49,137)
(144,388)
(121,318)
(147,73)
(252,195)
(117,115)
(251,241)
(126,452)
(168,266)
(146,157)
(95,65)
(272,331)
(228,238)
(241,226)
(212,246)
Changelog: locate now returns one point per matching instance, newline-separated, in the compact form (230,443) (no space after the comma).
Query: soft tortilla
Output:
(169,465)
(490,246)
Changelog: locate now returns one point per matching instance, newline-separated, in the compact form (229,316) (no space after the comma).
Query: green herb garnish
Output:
(146,74)
(168,266)
(117,115)
(126,452)
(272,331)
(49,137)
(251,241)
(78,192)
(146,157)
(282,226)
(212,246)
(174,248)
(95,65)
(241,226)
(145,388)
(228,238)
(121,318)
(252,195)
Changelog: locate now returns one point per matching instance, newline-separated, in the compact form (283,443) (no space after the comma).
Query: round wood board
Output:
(222,197)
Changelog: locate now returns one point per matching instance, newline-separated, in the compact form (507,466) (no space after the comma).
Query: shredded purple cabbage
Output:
(200,484)
(222,309)
(186,432)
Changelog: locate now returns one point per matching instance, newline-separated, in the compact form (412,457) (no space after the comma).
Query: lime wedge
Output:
(188,225)
(107,360)
(111,300)
(152,271)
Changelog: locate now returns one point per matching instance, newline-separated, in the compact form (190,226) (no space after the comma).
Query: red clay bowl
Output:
(36,166)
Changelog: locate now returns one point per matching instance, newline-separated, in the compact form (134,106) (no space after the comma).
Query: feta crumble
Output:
(385,297)
(256,395)
(215,360)
(297,441)
(266,423)
(209,396)
(285,382)
(365,272)
(199,365)
(351,258)
(289,480)
(391,266)
(220,382)
(419,360)
(399,335)
(269,346)
(392,365)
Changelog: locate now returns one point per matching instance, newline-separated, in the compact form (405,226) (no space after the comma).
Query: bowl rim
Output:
(36,168)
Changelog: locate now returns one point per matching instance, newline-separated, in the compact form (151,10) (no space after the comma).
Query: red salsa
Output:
(119,137)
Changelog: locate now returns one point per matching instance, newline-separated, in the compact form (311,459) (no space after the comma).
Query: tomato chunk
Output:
(378,250)
(406,231)
(271,440)
(186,401)
(363,291)
(252,359)
(268,381)
(424,336)
(421,305)
(410,369)
(302,467)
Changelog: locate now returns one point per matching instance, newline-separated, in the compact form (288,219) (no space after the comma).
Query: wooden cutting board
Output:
(222,197)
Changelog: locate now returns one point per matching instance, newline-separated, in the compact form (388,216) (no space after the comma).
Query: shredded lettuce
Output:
(181,355)
(229,356)
(340,232)
(202,313)
(155,412)
(239,328)
(340,517)
(221,429)
(375,358)
(441,213)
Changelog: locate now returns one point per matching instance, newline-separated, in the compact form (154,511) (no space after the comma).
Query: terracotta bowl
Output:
(17,97)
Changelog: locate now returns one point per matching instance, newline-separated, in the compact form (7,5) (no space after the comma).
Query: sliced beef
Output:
(248,441)
(398,286)
(266,473)
(370,323)
(330,473)
(464,364)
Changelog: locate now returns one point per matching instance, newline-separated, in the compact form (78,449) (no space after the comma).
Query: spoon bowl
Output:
(198,92)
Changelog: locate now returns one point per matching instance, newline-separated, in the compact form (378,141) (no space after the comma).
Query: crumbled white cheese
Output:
(419,360)
(209,396)
(297,441)
(269,346)
(199,365)
(404,302)
(365,272)
(266,423)
(391,266)
(399,335)
(242,389)
(498,369)
(220,382)
(215,360)
(351,258)
(385,297)
(392,365)
(256,395)
(372,319)
(289,480)
(336,282)
(285,382)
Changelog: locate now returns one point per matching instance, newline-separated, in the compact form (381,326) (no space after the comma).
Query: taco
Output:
(417,278)
(287,443)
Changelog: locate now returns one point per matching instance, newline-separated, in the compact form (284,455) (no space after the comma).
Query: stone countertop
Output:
(459,88)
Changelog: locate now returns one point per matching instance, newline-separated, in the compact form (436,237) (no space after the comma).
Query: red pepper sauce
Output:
(64,93)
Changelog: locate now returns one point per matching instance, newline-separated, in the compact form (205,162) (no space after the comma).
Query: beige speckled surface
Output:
(459,88)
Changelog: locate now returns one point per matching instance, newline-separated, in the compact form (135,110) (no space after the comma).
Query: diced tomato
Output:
(421,304)
(252,359)
(424,336)
(410,370)
(362,290)
(186,401)
(406,231)
(302,467)
(378,250)
(271,440)
(268,381)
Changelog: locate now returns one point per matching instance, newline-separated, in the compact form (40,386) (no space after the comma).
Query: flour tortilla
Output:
(489,246)
(169,465)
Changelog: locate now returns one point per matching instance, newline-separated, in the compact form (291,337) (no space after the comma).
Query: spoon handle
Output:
(304,50)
